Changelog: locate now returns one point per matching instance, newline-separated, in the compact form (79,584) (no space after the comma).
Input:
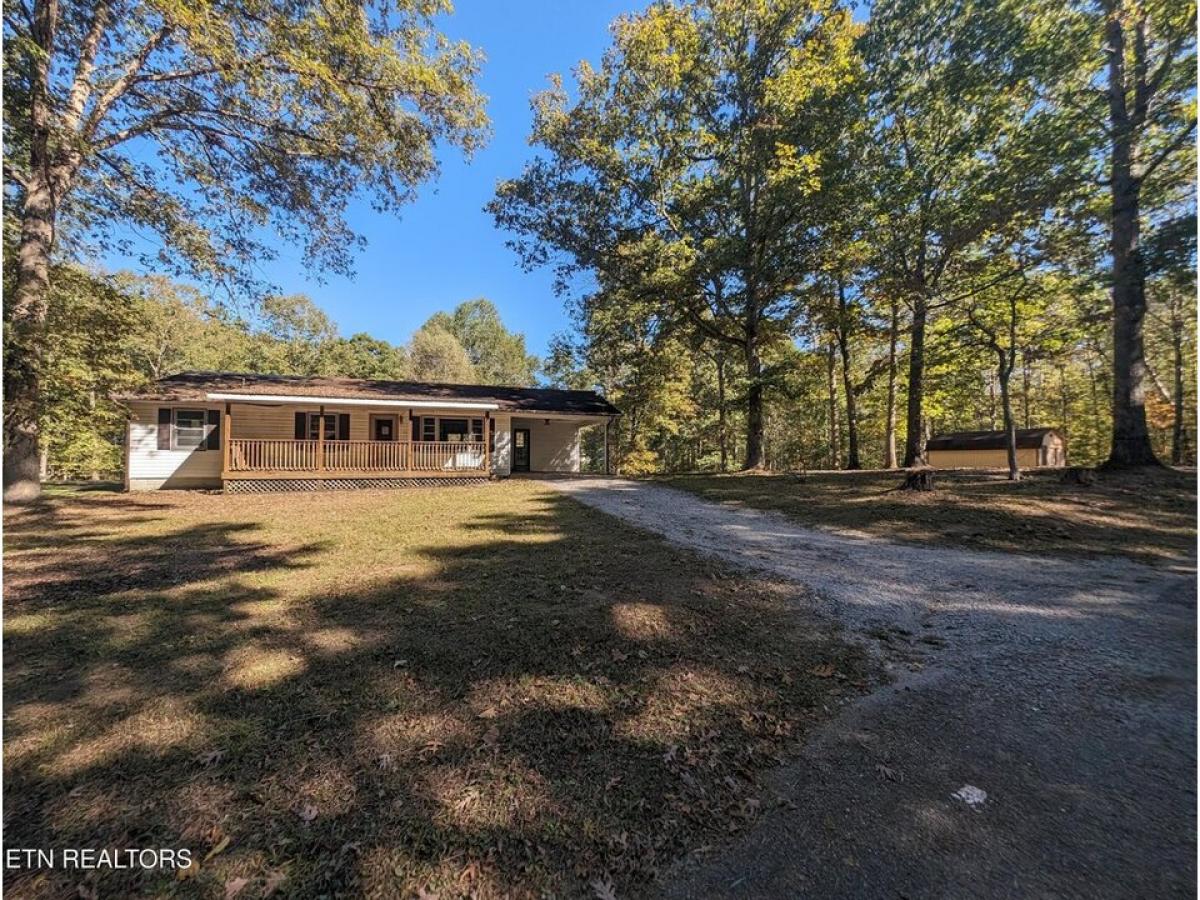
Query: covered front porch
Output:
(343,442)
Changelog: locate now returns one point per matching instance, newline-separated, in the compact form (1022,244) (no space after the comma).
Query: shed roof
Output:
(989,440)
(196,386)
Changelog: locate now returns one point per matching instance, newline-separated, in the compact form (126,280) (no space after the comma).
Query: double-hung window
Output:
(314,427)
(190,429)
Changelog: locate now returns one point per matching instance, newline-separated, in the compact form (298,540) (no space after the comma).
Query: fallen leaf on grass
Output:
(211,758)
(234,886)
(825,670)
(888,772)
(274,882)
(220,847)
(603,889)
(307,812)
(191,871)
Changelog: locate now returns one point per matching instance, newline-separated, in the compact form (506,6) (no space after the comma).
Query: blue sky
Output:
(444,248)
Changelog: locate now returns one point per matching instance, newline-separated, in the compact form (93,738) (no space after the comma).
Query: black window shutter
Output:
(416,428)
(164,428)
(301,426)
(343,426)
(214,430)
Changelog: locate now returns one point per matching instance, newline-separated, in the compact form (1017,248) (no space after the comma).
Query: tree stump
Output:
(1079,475)
(918,480)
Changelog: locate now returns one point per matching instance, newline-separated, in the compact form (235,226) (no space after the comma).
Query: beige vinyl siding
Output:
(151,468)
(1027,457)
(279,422)
(553,444)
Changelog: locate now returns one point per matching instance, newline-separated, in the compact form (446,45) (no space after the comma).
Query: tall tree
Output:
(205,125)
(688,171)
(1170,262)
(434,354)
(498,355)
(1151,65)
(292,336)
(965,137)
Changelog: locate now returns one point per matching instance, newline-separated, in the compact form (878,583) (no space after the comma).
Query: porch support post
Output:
(412,444)
(226,436)
(487,453)
(321,439)
(607,422)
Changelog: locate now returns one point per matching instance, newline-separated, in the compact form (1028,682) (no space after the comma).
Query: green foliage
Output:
(497,355)
(258,115)
(435,354)
(687,176)
(362,356)
(737,196)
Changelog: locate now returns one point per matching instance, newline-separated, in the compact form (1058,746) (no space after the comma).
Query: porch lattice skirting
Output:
(278,485)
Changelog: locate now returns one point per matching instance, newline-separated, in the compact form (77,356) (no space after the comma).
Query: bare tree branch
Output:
(81,87)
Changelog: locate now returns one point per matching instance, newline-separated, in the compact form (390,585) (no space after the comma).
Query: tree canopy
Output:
(218,129)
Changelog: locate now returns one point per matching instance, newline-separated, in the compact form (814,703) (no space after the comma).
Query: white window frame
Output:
(205,428)
(473,435)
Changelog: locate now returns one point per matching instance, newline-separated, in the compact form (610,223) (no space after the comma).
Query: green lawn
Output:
(1148,516)
(480,691)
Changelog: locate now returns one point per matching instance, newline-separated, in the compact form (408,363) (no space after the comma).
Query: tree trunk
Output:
(24,350)
(1177,424)
(834,429)
(1004,370)
(843,338)
(889,439)
(754,409)
(722,418)
(1026,377)
(24,340)
(1065,398)
(1131,437)
(914,446)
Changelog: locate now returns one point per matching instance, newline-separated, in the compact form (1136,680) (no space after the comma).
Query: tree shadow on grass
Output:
(1149,517)
(549,700)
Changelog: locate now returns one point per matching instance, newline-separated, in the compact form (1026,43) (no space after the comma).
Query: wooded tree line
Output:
(790,239)
(787,237)
(112,334)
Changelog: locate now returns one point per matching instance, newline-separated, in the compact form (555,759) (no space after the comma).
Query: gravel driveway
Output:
(1063,690)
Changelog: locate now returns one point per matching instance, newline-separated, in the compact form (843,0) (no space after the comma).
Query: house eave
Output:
(220,396)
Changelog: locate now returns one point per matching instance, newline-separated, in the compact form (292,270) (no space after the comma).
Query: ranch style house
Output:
(257,433)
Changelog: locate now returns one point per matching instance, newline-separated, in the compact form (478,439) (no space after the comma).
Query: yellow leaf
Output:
(221,845)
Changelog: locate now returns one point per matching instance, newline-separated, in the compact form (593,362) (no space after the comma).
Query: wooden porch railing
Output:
(257,455)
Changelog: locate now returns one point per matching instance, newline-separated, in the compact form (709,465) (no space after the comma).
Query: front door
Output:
(383,428)
(520,450)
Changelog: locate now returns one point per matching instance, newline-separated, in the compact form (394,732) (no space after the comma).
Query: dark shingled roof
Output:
(989,440)
(194,386)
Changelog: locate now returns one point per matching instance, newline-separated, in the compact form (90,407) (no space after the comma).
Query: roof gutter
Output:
(343,401)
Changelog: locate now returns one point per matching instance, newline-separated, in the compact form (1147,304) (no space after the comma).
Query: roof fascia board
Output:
(348,401)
